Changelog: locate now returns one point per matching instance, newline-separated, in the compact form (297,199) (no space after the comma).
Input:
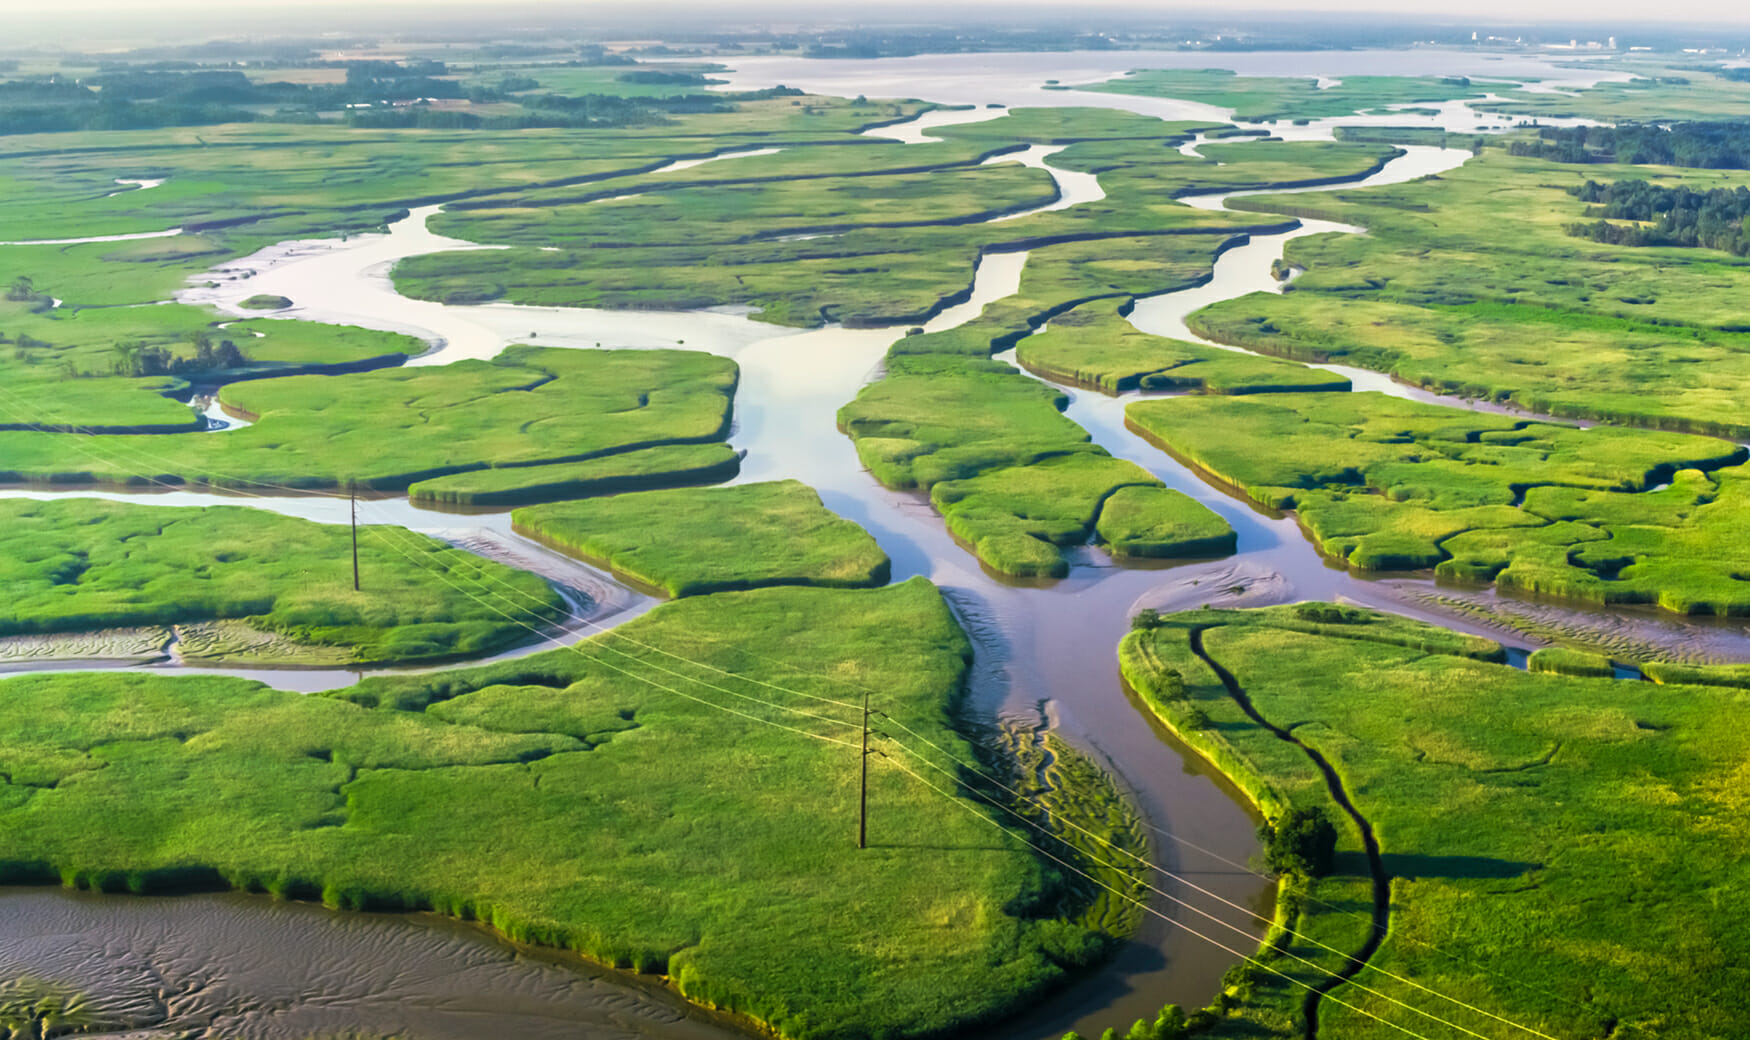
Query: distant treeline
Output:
(1717,219)
(148,98)
(1702,146)
(560,111)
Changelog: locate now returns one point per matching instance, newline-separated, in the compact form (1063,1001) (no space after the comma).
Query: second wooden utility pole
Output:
(355,544)
(863,791)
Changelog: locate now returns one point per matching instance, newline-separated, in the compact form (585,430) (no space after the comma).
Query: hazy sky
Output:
(1456,11)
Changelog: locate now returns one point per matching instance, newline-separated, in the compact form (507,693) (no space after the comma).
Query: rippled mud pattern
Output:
(215,966)
(151,643)
(1624,634)
(241,642)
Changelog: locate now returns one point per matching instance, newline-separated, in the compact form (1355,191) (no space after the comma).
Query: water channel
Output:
(217,963)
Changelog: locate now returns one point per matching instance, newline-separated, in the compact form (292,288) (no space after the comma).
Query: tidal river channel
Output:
(246,967)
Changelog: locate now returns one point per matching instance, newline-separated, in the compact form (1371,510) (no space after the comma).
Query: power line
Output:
(384,536)
(1151,910)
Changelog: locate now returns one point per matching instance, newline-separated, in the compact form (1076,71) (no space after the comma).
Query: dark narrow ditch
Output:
(1334,784)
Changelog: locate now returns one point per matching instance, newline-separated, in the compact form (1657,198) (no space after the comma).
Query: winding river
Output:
(219,963)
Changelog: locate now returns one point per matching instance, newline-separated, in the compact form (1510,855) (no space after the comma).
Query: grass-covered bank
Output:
(1272,98)
(662,466)
(695,541)
(565,802)
(1604,515)
(805,241)
(393,427)
(1525,821)
(1014,478)
(130,369)
(77,565)
(1470,283)
(1093,345)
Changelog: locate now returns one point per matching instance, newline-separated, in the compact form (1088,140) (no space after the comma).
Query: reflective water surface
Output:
(242,966)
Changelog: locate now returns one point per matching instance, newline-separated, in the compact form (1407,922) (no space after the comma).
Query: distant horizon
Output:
(103,26)
(720,12)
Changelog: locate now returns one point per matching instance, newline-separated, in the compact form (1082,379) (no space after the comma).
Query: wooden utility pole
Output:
(355,543)
(863,792)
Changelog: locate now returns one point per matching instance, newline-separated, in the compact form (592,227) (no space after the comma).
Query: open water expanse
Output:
(243,966)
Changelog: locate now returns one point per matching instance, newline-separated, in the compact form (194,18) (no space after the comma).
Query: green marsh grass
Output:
(1270,98)
(1526,820)
(1162,522)
(389,428)
(1094,345)
(1558,660)
(663,466)
(1539,508)
(60,366)
(563,802)
(74,564)
(1014,479)
(701,540)
(1437,296)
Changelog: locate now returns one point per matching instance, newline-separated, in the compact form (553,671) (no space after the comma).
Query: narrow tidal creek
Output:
(243,966)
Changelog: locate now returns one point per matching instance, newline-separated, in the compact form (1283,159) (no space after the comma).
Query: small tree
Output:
(1170,1024)
(1303,842)
(22,288)
(1147,619)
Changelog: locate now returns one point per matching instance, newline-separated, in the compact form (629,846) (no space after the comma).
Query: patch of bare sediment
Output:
(593,596)
(214,965)
(1625,634)
(1228,584)
(114,645)
(238,642)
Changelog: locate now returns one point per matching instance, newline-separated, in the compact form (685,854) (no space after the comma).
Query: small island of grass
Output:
(694,541)
(81,565)
(266,302)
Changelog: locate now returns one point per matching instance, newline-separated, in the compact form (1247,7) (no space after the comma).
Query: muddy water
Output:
(1247,269)
(240,966)
(347,282)
(1023,80)
(1036,646)
(1073,188)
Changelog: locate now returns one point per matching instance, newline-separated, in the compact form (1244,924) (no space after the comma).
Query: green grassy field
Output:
(566,802)
(728,236)
(696,541)
(1659,93)
(1525,822)
(1094,345)
(1161,522)
(1386,484)
(1015,480)
(1437,295)
(639,469)
(389,428)
(1070,125)
(1242,166)
(732,213)
(72,565)
(67,366)
(1262,98)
